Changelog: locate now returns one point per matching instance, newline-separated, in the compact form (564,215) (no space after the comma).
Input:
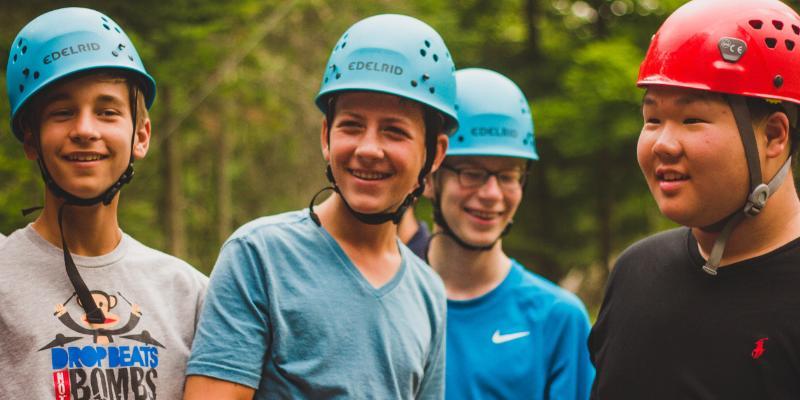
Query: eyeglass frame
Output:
(488,174)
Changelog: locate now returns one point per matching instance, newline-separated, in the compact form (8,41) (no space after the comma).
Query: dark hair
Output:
(760,109)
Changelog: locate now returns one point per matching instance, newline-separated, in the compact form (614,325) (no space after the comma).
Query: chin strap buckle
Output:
(757,200)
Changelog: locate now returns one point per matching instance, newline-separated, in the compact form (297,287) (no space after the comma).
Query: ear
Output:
(429,182)
(29,145)
(441,149)
(776,130)
(326,151)
(142,140)
(112,301)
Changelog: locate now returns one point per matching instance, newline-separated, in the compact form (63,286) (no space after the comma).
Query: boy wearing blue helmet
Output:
(511,334)
(327,302)
(119,323)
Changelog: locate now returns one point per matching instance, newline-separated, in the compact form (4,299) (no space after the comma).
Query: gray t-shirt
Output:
(290,315)
(151,302)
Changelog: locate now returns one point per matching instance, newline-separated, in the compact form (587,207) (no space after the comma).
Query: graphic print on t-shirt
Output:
(99,361)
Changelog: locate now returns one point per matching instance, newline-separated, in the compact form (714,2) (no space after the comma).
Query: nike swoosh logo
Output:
(497,338)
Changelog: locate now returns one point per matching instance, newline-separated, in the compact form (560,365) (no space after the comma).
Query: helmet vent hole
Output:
(35,74)
(771,42)
(338,75)
(15,58)
(130,58)
(756,23)
(461,138)
(326,79)
(21,88)
(428,44)
(414,83)
(19,44)
(115,53)
(26,72)
(422,52)
(789,45)
(455,106)
(432,90)
(425,77)
(24,49)
(796,29)
(435,58)
(777,24)
(108,28)
(117,29)
(104,19)
(344,44)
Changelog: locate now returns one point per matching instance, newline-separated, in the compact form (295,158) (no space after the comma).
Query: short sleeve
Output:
(232,339)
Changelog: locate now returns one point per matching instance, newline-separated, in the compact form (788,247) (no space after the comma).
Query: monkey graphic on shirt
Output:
(102,333)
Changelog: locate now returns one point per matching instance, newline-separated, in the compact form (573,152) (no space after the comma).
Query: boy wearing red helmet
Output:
(706,311)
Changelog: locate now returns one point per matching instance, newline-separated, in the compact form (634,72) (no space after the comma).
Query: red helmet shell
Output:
(742,47)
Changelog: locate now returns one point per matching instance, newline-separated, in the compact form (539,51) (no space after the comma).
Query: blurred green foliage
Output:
(236,133)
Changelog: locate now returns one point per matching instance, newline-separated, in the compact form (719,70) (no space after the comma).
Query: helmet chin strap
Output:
(759,191)
(93,314)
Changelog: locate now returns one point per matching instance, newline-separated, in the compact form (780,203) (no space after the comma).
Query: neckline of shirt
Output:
(81,261)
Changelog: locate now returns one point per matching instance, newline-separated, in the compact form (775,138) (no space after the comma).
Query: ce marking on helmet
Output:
(732,49)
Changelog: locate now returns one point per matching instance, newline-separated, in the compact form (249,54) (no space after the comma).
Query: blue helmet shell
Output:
(393,54)
(63,42)
(494,117)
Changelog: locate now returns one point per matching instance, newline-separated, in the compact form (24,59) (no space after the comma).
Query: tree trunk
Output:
(173,195)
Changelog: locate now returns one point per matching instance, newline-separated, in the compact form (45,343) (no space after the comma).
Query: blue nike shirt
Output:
(526,339)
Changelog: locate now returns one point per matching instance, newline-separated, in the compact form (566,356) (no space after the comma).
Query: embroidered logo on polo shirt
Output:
(498,338)
(758,351)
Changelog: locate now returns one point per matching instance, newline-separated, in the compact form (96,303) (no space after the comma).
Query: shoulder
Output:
(547,296)
(164,266)
(667,243)
(421,271)
(291,225)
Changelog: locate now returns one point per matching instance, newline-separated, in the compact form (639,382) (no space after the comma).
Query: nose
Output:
(490,190)
(667,146)
(85,127)
(369,145)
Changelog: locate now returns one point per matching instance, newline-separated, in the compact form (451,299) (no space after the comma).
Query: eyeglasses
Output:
(473,177)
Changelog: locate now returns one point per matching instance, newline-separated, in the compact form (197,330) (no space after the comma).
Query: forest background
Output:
(236,132)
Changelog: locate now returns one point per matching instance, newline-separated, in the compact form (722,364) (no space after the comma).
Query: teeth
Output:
(84,157)
(671,176)
(482,214)
(369,176)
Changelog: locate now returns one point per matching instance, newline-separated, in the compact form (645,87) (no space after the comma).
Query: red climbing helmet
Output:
(740,47)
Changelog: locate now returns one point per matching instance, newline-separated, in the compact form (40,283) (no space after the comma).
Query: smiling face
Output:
(691,155)
(85,131)
(478,215)
(376,149)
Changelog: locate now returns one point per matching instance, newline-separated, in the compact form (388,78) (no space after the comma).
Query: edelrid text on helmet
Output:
(494,117)
(393,54)
(61,43)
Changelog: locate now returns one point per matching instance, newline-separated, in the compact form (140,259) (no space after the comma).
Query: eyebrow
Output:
(358,116)
(106,99)
(684,100)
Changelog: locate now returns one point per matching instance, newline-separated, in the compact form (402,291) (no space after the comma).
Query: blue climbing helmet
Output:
(393,54)
(63,42)
(494,117)
(401,56)
(494,120)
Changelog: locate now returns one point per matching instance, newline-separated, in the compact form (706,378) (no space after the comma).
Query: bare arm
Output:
(200,387)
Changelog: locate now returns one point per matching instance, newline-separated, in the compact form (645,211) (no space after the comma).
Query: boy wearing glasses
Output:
(510,333)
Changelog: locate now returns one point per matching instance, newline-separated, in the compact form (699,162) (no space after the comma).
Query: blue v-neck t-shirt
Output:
(288,314)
